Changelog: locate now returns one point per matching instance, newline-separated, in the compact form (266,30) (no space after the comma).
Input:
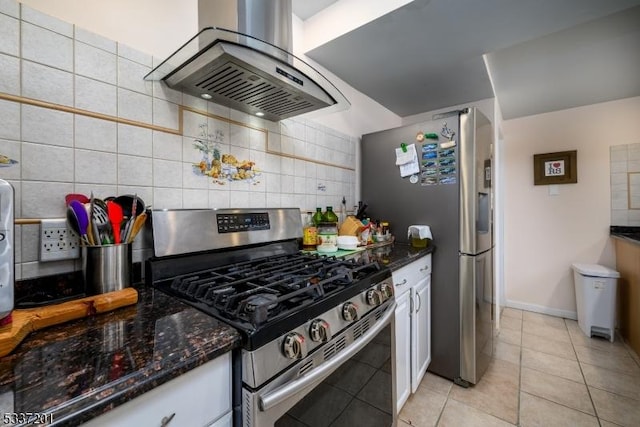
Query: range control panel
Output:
(231,223)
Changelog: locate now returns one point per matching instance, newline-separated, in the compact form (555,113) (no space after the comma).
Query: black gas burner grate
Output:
(260,290)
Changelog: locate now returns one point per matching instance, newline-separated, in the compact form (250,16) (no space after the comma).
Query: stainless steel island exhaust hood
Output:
(241,59)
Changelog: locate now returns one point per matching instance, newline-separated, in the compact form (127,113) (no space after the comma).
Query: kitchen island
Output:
(82,369)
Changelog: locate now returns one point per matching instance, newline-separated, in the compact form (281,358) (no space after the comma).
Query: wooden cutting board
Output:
(32,319)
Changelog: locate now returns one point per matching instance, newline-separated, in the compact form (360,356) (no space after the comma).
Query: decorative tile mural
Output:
(222,167)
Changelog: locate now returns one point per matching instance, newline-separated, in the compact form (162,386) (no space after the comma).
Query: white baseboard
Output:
(566,314)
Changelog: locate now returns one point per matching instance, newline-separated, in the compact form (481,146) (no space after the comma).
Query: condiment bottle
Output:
(327,237)
(318,217)
(310,234)
(330,216)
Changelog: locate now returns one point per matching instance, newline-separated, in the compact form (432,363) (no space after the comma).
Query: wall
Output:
(545,234)
(85,121)
(159,27)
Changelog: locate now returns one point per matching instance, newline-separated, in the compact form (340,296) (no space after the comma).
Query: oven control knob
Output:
(386,290)
(349,312)
(319,331)
(293,346)
(374,297)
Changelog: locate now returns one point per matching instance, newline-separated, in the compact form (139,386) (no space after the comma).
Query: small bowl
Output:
(349,243)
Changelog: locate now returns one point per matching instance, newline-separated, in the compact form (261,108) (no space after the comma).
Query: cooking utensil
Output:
(79,197)
(130,203)
(137,225)
(101,220)
(114,211)
(92,222)
(72,220)
(87,209)
(82,219)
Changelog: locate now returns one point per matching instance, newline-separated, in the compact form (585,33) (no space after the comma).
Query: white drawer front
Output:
(411,274)
(197,398)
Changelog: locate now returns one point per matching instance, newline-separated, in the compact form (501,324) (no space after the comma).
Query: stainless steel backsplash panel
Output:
(182,231)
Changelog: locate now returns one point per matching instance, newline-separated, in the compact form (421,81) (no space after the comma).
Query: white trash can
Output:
(596,299)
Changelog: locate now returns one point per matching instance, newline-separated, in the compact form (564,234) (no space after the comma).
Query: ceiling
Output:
(541,56)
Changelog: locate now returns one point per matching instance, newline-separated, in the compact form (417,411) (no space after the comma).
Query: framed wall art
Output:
(555,168)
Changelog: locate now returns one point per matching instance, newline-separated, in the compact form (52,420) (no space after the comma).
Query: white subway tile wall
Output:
(625,184)
(59,152)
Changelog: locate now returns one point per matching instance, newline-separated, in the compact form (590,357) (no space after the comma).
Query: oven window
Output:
(359,393)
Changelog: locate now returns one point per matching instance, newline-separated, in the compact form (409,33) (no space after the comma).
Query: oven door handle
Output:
(271,399)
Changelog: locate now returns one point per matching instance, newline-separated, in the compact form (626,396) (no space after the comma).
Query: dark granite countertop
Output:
(395,255)
(81,369)
(628,233)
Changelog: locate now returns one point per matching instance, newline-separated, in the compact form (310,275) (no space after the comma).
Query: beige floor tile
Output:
(543,319)
(402,424)
(510,323)
(458,414)
(423,408)
(620,363)
(541,330)
(535,411)
(436,384)
(545,345)
(553,365)
(502,370)
(579,338)
(496,393)
(617,409)
(604,423)
(556,389)
(510,336)
(507,352)
(512,312)
(612,381)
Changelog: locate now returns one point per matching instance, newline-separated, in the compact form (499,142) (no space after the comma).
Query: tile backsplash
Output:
(625,184)
(78,117)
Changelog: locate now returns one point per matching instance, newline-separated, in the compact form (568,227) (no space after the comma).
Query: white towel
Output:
(407,161)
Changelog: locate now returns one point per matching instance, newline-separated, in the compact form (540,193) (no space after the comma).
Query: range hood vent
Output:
(246,73)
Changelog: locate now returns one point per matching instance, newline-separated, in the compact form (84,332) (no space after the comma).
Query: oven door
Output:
(355,386)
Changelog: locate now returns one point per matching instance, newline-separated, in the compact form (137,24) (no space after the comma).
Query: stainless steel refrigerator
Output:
(452,193)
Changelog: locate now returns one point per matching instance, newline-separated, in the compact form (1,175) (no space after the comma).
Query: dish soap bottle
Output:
(309,234)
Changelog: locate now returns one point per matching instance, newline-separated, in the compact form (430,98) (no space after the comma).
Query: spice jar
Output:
(327,237)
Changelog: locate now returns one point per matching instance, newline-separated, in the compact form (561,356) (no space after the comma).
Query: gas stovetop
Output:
(266,297)
(294,311)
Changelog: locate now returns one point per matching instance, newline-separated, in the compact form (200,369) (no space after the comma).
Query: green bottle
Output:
(330,216)
(317,217)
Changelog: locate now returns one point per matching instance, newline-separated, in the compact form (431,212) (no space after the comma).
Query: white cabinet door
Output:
(420,331)
(195,398)
(403,348)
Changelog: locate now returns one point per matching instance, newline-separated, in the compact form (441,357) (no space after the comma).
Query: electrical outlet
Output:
(57,241)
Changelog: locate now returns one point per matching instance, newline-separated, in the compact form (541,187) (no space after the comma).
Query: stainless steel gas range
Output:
(317,331)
